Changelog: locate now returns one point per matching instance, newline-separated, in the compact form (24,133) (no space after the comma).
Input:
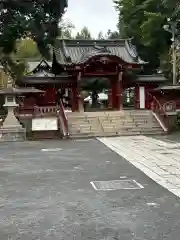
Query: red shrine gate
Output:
(75,61)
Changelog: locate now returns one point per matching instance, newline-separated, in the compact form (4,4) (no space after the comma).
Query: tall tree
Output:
(100,36)
(112,34)
(26,48)
(143,21)
(13,69)
(66,29)
(35,18)
(84,34)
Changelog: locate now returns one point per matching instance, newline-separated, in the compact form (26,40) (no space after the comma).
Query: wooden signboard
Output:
(44,124)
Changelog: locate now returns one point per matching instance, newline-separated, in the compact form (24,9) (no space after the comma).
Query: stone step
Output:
(112,134)
(86,129)
(113,123)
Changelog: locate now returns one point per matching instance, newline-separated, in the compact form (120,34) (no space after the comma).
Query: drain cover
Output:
(116,185)
(51,149)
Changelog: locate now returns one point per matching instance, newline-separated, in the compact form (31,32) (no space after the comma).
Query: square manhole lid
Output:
(51,149)
(116,185)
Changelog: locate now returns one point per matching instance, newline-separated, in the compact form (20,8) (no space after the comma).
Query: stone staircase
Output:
(112,123)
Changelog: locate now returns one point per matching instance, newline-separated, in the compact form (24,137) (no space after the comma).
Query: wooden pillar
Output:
(110,102)
(80,100)
(119,98)
(73,97)
(148,97)
(137,104)
(113,92)
(76,95)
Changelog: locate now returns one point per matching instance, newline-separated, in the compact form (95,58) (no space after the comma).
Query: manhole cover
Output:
(116,185)
(84,140)
(51,149)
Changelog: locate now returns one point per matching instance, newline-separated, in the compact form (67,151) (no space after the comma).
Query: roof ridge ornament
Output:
(131,49)
(66,55)
(101,49)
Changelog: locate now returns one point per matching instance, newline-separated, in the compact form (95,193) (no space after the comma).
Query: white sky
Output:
(97,15)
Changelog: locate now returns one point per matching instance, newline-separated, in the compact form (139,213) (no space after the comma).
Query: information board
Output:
(44,124)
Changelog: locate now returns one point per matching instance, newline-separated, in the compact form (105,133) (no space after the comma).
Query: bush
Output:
(178,120)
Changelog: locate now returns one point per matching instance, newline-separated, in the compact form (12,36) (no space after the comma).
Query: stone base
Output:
(12,134)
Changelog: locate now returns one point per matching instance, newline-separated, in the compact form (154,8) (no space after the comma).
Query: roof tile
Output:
(79,51)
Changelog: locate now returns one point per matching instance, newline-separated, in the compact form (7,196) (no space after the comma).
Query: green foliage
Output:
(112,34)
(65,30)
(178,120)
(27,48)
(143,21)
(100,36)
(95,84)
(13,68)
(84,34)
(35,22)
(37,19)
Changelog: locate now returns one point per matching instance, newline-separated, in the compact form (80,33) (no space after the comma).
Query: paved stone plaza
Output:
(47,191)
(160,160)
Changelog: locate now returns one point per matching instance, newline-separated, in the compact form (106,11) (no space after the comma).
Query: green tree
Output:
(112,34)
(13,69)
(36,19)
(66,29)
(95,86)
(84,34)
(100,36)
(143,21)
(27,48)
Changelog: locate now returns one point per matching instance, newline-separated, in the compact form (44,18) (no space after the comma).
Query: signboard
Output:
(44,124)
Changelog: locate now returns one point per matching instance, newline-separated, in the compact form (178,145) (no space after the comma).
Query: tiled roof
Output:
(168,87)
(150,78)
(79,51)
(42,73)
(18,91)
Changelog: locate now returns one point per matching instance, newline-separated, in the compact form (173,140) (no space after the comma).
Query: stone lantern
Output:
(12,130)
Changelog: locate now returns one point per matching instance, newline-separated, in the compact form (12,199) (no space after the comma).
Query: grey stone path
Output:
(158,159)
(45,193)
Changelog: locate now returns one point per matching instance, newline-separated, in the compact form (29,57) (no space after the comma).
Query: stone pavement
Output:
(158,159)
(45,194)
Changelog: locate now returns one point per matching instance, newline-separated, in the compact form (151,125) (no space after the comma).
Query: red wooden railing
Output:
(63,120)
(45,110)
(160,112)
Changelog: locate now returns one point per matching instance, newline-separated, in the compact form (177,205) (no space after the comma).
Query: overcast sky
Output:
(97,15)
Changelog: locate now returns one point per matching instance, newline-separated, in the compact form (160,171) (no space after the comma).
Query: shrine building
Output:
(76,68)
(75,61)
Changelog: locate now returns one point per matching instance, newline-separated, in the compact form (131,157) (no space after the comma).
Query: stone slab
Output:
(158,159)
(12,134)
